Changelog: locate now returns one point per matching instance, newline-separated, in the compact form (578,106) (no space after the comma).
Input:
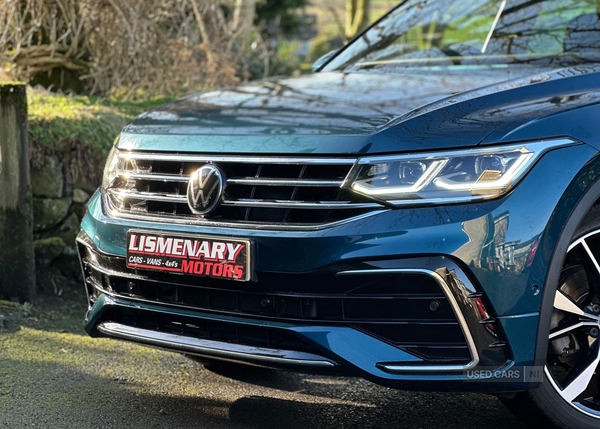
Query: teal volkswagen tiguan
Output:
(423,211)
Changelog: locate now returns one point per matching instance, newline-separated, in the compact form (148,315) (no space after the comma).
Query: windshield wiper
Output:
(489,36)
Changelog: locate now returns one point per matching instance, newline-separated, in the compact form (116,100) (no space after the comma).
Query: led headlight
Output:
(112,168)
(449,177)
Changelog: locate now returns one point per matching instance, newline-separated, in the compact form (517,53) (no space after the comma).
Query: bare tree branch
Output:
(149,47)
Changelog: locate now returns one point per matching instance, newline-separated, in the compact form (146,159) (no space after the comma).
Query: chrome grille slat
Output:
(152,176)
(285,204)
(167,198)
(260,192)
(195,220)
(266,181)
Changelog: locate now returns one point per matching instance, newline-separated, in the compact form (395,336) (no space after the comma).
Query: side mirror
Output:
(321,61)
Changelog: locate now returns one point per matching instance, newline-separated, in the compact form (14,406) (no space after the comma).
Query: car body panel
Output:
(522,331)
(502,243)
(352,349)
(574,121)
(416,112)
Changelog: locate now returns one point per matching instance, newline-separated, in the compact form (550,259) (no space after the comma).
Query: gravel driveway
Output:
(53,376)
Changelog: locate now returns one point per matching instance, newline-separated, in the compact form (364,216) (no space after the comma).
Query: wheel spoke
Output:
(568,329)
(591,255)
(564,303)
(593,273)
(580,383)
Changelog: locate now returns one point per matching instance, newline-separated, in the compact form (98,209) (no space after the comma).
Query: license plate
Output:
(214,257)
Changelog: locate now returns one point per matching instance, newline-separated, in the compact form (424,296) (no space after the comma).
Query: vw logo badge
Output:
(205,189)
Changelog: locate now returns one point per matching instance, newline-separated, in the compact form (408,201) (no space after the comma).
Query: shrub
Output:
(127,47)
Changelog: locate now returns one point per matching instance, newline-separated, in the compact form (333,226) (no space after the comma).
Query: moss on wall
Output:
(79,130)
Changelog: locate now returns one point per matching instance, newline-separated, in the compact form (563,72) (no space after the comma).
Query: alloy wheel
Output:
(573,349)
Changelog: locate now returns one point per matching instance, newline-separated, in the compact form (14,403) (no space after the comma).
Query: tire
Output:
(573,350)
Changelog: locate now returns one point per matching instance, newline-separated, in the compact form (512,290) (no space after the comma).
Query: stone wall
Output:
(59,204)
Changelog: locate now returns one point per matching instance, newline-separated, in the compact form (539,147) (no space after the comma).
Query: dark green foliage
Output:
(282,15)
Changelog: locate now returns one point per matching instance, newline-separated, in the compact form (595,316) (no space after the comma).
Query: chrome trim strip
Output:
(168,198)
(459,316)
(266,181)
(258,181)
(181,220)
(290,204)
(152,176)
(517,316)
(213,348)
(113,273)
(283,204)
(81,239)
(157,156)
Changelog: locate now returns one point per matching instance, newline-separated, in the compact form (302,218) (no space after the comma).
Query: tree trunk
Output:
(243,18)
(200,22)
(17,259)
(357,17)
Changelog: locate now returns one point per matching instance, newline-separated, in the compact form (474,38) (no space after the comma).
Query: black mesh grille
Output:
(208,329)
(409,311)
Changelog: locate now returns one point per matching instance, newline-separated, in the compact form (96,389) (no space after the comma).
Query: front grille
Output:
(267,191)
(409,311)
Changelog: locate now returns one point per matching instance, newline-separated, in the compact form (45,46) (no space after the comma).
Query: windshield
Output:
(450,33)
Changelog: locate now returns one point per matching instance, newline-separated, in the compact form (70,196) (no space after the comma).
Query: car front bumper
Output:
(359,295)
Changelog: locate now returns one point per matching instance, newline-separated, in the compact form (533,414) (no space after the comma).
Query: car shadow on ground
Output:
(418,411)
(53,375)
(53,395)
(333,402)
(291,381)
(185,395)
